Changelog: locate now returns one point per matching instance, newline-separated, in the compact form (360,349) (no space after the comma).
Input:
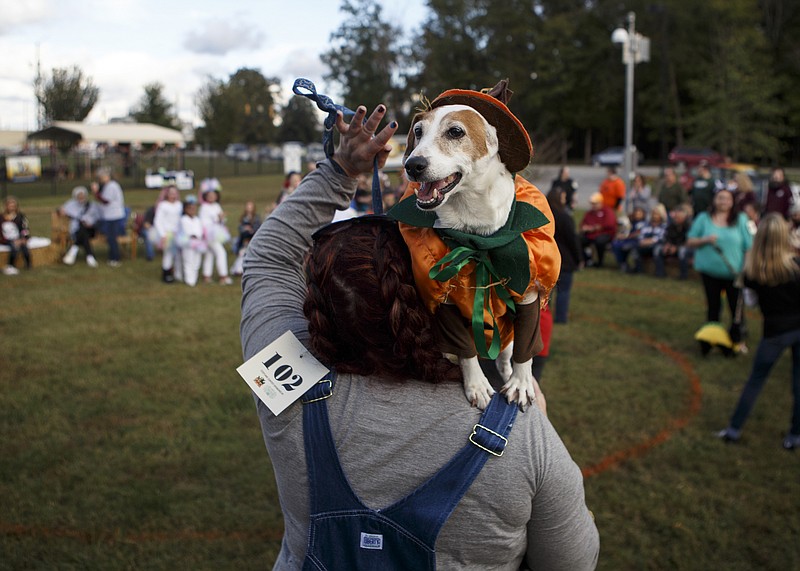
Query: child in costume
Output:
(217,235)
(191,242)
(166,224)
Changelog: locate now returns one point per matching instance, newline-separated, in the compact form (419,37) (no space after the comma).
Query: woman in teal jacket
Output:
(720,239)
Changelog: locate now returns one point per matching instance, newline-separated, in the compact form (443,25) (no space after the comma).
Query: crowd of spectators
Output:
(654,225)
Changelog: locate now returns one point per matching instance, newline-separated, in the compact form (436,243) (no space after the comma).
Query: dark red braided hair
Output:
(364,314)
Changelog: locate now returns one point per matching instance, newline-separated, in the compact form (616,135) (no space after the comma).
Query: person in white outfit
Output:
(191,242)
(166,223)
(217,235)
(83,216)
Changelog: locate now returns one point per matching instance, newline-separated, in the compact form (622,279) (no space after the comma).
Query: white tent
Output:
(111,133)
(12,140)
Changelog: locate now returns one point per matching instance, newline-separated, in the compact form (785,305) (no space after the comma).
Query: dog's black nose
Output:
(415,166)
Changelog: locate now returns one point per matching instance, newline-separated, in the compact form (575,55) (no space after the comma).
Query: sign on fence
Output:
(23,169)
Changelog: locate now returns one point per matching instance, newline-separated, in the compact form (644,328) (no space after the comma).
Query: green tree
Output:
(450,48)
(299,122)
(66,95)
(154,108)
(722,73)
(240,110)
(735,105)
(781,21)
(364,58)
(555,54)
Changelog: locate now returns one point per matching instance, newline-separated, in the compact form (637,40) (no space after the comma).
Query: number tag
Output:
(282,372)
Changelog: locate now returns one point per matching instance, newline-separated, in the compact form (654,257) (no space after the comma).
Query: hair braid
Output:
(364,313)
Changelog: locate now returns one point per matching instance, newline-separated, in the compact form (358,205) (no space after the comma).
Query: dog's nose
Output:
(415,166)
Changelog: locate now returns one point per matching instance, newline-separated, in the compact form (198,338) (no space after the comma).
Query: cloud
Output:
(18,14)
(303,63)
(219,38)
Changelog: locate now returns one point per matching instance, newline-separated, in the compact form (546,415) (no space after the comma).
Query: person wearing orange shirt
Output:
(613,190)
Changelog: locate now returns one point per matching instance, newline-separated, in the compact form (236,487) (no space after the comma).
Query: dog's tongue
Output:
(428,190)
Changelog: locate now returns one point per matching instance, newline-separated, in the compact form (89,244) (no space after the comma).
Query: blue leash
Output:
(306,88)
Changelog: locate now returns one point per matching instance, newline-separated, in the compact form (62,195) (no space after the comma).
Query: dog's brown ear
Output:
(411,141)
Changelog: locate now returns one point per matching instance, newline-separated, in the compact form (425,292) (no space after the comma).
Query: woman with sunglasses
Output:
(397,412)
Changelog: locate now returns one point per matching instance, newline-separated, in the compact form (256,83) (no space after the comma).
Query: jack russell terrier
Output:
(480,236)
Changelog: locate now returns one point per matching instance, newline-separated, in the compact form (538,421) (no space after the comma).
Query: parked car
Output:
(613,157)
(693,156)
(238,151)
(315,152)
(269,153)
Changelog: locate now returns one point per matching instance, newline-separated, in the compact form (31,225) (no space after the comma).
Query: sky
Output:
(123,45)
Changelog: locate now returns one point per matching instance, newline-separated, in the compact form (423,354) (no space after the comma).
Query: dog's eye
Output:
(455,132)
(418,131)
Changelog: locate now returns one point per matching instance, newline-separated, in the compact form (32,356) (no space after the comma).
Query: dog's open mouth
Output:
(431,194)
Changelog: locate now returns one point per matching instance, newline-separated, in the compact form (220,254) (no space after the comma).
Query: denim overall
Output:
(345,534)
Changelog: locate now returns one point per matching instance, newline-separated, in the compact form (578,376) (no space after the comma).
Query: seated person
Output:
(14,234)
(249,223)
(597,229)
(144,225)
(674,244)
(627,238)
(83,216)
(651,235)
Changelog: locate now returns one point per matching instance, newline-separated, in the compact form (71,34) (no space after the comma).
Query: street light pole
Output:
(635,49)
(630,48)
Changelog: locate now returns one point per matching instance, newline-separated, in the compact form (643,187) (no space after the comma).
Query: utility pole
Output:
(635,49)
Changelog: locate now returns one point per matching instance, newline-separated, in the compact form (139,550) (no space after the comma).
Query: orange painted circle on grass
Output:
(691,408)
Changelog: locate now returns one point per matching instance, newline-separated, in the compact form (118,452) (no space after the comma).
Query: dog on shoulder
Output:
(471,223)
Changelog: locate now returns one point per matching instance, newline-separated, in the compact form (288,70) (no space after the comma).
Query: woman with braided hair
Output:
(397,420)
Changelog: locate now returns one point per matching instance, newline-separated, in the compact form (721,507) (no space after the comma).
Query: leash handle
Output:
(306,88)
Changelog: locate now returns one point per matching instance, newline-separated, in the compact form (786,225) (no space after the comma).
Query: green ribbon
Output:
(450,265)
(497,260)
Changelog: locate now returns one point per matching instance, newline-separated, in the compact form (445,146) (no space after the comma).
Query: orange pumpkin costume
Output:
(544,263)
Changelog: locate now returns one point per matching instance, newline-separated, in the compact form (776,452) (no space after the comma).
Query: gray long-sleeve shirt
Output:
(526,505)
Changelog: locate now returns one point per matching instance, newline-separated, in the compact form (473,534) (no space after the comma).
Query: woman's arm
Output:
(273,284)
(697,236)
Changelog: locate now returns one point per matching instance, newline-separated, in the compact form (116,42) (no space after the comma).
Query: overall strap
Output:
(328,486)
(427,508)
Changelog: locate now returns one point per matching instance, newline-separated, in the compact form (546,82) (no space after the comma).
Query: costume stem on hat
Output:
(500,91)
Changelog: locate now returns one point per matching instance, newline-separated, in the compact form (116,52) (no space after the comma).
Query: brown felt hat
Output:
(516,149)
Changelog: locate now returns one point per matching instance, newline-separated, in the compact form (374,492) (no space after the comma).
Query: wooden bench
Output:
(43,253)
(61,238)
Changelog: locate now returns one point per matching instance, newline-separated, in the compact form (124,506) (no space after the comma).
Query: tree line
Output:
(722,73)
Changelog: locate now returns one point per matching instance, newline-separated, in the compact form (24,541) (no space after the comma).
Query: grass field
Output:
(130,442)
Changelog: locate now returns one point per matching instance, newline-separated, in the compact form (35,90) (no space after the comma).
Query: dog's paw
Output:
(479,392)
(520,387)
(520,393)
